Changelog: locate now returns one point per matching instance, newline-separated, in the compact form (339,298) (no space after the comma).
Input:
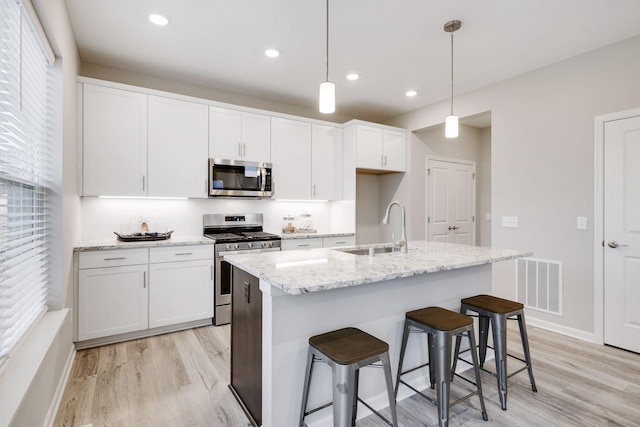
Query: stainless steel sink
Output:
(380,250)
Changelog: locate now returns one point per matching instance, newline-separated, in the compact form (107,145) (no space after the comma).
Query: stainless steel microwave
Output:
(237,178)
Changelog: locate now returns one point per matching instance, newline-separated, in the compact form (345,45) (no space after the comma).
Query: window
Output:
(25,111)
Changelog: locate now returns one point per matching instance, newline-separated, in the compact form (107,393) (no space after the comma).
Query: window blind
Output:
(25,111)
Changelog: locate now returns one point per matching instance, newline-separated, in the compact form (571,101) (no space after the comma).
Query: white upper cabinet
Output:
(238,135)
(177,148)
(291,158)
(326,162)
(114,133)
(380,149)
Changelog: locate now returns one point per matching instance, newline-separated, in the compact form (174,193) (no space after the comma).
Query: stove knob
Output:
(249,245)
(227,246)
(265,244)
(236,246)
(270,244)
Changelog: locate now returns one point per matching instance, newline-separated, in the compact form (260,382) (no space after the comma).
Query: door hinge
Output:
(474,176)
(473,218)
(428,219)
(429,171)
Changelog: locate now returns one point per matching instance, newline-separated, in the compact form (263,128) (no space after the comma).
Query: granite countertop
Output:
(314,270)
(116,244)
(289,236)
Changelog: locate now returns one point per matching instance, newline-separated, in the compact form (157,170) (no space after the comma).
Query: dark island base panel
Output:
(246,344)
(253,422)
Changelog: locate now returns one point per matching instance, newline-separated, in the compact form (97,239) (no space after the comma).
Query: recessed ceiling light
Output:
(353,76)
(411,93)
(272,53)
(158,19)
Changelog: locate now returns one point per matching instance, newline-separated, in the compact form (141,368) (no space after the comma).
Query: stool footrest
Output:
(382,417)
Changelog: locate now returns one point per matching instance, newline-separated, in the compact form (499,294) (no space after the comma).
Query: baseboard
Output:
(57,398)
(564,330)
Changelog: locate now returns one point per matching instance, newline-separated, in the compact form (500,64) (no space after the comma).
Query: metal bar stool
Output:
(497,311)
(441,325)
(346,351)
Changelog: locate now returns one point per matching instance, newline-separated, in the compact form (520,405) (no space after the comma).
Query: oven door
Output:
(223,284)
(235,178)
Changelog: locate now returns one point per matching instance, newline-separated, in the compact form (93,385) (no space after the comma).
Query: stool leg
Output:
(403,347)
(499,327)
(305,390)
(354,411)
(525,349)
(384,358)
(456,355)
(432,365)
(344,377)
(476,368)
(442,352)
(483,330)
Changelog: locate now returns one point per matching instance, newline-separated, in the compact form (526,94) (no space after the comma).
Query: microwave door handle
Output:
(263,179)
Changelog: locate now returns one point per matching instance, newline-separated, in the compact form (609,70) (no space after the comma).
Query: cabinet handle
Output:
(381,160)
(314,189)
(115,258)
(239,149)
(244,150)
(184,253)
(247,292)
(143,183)
(212,272)
(144,279)
(340,243)
(385,160)
(301,245)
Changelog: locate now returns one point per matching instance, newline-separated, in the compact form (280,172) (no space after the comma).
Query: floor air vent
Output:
(539,284)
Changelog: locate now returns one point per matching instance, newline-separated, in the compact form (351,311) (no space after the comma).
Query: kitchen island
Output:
(304,293)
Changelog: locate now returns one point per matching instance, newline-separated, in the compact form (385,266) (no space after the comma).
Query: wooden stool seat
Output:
(492,304)
(349,345)
(439,318)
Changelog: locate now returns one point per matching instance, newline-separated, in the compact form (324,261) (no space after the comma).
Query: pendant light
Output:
(327,89)
(451,122)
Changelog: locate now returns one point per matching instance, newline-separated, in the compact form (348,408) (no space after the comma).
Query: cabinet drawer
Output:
(292,244)
(180,253)
(334,242)
(113,258)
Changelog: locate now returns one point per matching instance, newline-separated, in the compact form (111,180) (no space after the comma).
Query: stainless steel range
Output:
(237,234)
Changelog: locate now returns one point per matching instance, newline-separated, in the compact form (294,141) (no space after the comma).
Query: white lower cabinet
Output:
(318,242)
(131,291)
(112,300)
(180,292)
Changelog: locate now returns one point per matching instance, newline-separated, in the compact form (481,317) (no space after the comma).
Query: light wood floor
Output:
(181,379)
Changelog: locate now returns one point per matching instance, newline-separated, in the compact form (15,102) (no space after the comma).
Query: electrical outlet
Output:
(581,223)
(510,221)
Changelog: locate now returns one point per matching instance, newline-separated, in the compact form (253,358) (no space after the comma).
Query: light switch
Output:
(487,216)
(510,221)
(581,223)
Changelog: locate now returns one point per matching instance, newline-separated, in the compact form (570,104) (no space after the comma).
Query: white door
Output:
(451,201)
(395,150)
(622,233)
(291,158)
(225,138)
(326,162)
(369,147)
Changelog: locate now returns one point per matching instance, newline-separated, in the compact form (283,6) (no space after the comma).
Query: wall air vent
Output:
(539,284)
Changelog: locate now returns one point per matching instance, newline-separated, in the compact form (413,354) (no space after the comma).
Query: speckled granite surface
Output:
(299,272)
(116,244)
(290,236)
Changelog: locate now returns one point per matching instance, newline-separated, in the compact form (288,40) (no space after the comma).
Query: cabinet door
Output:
(180,292)
(177,148)
(112,301)
(326,163)
(114,142)
(291,158)
(395,150)
(225,138)
(337,242)
(256,137)
(369,147)
(246,342)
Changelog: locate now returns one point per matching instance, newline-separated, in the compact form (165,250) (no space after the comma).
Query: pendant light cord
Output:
(452,73)
(327,41)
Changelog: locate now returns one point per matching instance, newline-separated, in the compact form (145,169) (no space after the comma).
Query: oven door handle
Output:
(263,179)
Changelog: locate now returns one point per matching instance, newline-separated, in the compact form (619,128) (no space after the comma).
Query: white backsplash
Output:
(101,217)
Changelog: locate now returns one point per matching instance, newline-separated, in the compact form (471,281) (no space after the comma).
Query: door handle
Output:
(613,244)
(453,227)
(247,292)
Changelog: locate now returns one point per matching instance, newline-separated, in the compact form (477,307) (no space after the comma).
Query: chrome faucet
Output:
(402,243)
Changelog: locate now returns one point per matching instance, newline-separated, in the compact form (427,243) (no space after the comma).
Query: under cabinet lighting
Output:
(143,198)
(298,200)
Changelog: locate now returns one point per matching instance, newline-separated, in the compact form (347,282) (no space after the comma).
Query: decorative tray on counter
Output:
(143,237)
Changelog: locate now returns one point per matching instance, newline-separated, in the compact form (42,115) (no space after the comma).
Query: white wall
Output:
(542,146)
(483,198)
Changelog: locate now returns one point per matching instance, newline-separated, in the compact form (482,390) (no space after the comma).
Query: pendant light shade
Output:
(451,122)
(327,97)
(451,127)
(327,93)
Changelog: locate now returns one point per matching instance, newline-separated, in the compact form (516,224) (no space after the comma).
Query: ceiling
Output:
(394,45)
